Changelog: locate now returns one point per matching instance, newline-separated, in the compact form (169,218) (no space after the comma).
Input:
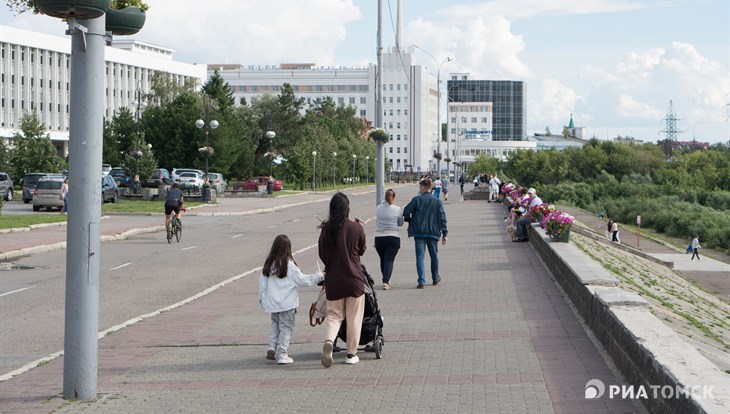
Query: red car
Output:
(253,183)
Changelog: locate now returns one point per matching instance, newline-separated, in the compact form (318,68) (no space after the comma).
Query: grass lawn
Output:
(9,221)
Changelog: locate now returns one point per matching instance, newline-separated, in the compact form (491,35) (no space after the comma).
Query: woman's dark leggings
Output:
(695,252)
(387,248)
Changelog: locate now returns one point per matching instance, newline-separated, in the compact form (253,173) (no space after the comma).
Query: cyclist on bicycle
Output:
(173,202)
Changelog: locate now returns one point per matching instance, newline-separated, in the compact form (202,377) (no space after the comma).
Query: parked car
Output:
(253,183)
(120,176)
(175,174)
(217,182)
(190,180)
(47,193)
(109,189)
(29,182)
(6,187)
(159,176)
(105,169)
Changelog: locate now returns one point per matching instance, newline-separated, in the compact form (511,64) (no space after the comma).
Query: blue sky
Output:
(614,64)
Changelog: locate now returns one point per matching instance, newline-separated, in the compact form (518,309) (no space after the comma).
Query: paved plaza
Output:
(496,336)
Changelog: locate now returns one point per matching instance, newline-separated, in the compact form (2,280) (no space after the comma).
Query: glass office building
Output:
(507,98)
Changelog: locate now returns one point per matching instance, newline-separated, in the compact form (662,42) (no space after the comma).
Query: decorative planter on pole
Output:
(126,21)
(379,135)
(80,9)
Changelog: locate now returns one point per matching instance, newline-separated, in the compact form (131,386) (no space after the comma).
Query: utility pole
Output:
(379,146)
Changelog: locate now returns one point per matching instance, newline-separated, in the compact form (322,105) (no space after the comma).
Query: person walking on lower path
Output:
(388,217)
(278,295)
(426,224)
(437,188)
(341,244)
(614,232)
(695,247)
(462,181)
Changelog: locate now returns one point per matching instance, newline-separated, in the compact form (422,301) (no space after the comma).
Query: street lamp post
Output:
(270,135)
(213,124)
(136,152)
(367,169)
(438,106)
(334,170)
(314,170)
(354,160)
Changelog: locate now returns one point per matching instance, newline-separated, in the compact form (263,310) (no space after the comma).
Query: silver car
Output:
(47,194)
(6,187)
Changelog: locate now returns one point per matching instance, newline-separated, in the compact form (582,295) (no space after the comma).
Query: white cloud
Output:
(530,8)
(551,103)
(482,46)
(631,108)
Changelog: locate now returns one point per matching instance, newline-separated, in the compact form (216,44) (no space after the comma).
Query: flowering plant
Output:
(379,134)
(557,223)
(539,211)
(437,155)
(447,159)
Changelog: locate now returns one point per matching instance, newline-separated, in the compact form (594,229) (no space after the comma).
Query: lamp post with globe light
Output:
(367,169)
(213,124)
(314,170)
(354,160)
(270,135)
(334,170)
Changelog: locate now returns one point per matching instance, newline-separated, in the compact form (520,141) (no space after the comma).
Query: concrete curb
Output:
(648,353)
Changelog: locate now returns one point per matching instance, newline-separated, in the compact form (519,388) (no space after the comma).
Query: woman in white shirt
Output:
(388,217)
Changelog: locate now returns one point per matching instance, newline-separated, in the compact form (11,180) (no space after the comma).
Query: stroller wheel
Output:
(378,345)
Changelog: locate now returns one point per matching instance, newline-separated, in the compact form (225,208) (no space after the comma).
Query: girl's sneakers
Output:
(271,354)
(284,359)
(327,354)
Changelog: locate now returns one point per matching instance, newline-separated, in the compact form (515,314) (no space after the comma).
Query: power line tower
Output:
(670,130)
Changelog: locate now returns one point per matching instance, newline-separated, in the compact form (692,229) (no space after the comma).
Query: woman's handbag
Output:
(318,310)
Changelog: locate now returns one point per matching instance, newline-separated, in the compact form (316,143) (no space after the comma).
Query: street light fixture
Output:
(270,135)
(213,124)
(334,170)
(354,159)
(367,169)
(438,106)
(314,170)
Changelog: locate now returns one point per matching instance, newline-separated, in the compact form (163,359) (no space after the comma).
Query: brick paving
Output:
(496,336)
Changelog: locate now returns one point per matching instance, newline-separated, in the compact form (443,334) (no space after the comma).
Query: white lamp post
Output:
(367,169)
(334,170)
(211,125)
(354,159)
(314,170)
(270,135)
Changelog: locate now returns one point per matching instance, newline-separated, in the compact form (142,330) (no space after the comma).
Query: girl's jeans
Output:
(387,248)
(282,328)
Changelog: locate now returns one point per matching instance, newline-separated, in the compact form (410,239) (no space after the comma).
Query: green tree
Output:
(33,150)
(484,164)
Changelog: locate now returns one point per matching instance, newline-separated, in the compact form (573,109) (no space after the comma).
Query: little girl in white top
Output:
(279,296)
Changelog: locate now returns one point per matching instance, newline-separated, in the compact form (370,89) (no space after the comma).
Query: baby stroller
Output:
(372,322)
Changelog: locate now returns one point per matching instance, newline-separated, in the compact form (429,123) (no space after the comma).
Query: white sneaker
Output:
(284,359)
(352,361)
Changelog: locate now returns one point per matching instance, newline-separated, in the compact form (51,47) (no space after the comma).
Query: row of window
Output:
(397,87)
(300,88)
(479,108)
(397,150)
(397,112)
(473,120)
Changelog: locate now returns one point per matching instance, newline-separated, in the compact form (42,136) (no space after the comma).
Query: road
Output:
(145,273)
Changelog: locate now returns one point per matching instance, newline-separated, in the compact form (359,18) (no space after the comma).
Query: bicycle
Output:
(175,228)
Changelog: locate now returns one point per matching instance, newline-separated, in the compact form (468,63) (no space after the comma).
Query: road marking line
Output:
(16,291)
(294,221)
(271,227)
(102,334)
(237,236)
(188,248)
(121,266)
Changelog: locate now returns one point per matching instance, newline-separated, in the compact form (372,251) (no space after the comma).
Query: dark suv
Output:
(159,176)
(29,182)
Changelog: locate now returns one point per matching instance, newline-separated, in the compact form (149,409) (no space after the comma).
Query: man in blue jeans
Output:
(426,224)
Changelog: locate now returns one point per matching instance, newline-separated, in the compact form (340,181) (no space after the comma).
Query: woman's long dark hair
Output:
(279,257)
(339,213)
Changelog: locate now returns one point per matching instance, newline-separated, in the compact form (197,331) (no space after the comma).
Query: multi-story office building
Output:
(409,97)
(34,73)
(507,98)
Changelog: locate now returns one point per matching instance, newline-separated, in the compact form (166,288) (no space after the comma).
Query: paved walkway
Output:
(496,336)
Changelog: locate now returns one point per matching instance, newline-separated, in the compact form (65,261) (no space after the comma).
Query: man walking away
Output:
(445,188)
(426,224)
(462,181)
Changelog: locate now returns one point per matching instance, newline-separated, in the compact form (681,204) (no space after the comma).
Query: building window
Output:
(363,113)
(473,120)
(405,150)
(398,150)
(340,101)
(390,150)
(398,125)
(352,101)
(363,100)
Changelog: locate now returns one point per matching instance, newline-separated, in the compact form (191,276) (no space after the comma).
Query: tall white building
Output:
(409,97)
(35,73)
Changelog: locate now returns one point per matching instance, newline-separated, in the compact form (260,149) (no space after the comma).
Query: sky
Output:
(614,64)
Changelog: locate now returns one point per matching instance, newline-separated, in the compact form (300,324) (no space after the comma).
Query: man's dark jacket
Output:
(426,217)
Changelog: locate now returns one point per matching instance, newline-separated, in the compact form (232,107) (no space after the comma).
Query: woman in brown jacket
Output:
(341,243)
